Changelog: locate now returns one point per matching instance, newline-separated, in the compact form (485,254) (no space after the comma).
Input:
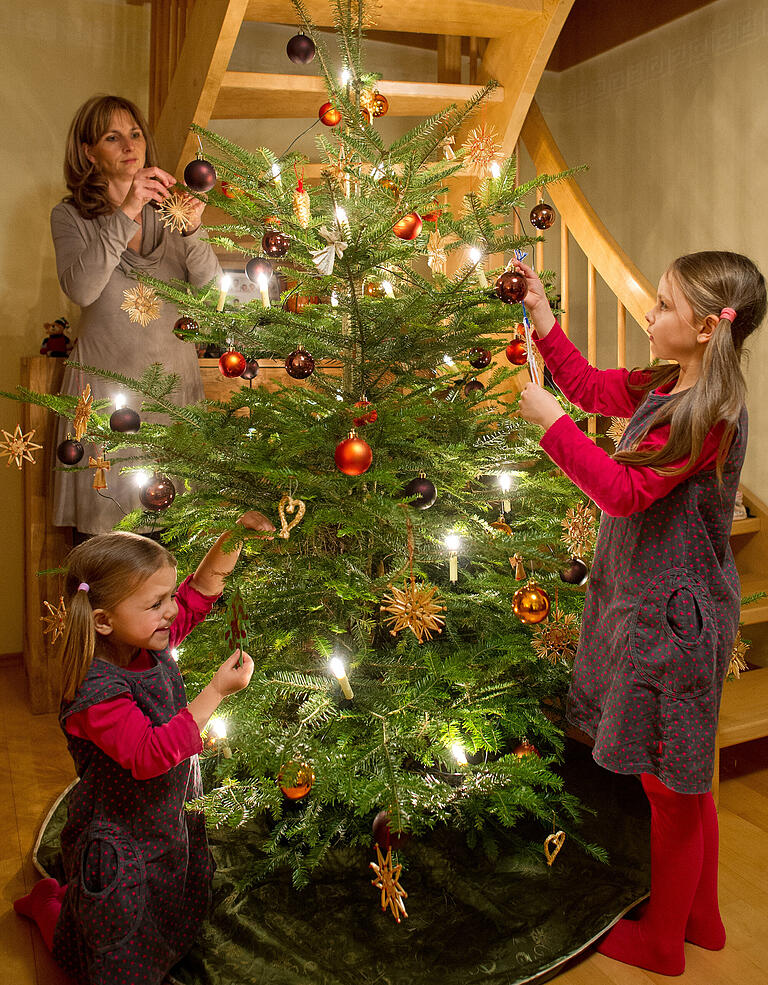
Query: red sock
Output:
(42,905)
(655,941)
(704,926)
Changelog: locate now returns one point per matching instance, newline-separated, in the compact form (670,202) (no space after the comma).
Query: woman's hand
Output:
(253,520)
(535,300)
(148,185)
(538,406)
(196,207)
(231,678)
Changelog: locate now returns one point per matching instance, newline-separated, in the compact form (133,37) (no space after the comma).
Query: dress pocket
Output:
(673,634)
(111,887)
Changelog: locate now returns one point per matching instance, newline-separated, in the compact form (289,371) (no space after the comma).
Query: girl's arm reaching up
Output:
(209,577)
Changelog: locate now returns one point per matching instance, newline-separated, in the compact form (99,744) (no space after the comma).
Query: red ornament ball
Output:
(251,369)
(329,116)
(368,417)
(125,421)
(517,352)
(382,833)
(231,364)
(408,227)
(258,267)
(275,244)
(199,175)
(479,358)
(473,386)
(353,456)
(185,324)
(300,49)
(70,452)
(511,287)
(299,364)
(158,494)
(296,780)
(542,216)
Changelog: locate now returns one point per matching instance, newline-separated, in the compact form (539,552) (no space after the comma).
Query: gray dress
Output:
(95,266)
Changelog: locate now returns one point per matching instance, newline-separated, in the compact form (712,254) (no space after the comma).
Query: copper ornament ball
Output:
(158,494)
(511,287)
(379,105)
(479,357)
(353,456)
(530,603)
(542,216)
(251,369)
(275,244)
(408,227)
(232,364)
(299,364)
(525,748)
(185,324)
(517,352)
(368,417)
(328,115)
(296,780)
(576,572)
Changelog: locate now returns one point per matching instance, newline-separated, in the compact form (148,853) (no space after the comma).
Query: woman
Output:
(104,232)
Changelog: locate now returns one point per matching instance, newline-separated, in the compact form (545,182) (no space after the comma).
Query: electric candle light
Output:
(175,654)
(338,671)
(458,754)
(477,258)
(276,174)
(505,481)
(334,299)
(495,170)
(142,477)
(120,401)
(388,289)
(346,76)
(341,215)
(264,289)
(452,542)
(226,283)
(217,728)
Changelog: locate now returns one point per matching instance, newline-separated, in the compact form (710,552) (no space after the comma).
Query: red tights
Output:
(43,905)
(683,903)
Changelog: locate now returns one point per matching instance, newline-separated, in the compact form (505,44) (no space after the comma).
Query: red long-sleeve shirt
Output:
(121,730)
(617,488)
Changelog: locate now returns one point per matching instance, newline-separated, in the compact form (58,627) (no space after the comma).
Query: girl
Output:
(663,604)
(137,861)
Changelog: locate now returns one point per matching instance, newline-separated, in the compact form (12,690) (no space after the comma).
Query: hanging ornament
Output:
(353,455)
(301,201)
(232,364)
(373,289)
(447,144)
(275,244)
(54,623)
(580,530)
(575,572)
(373,104)
(183,325)
(525,748)
(251,369)
(481,150)
(258,267)
(325,258)
(517,563)
(542,216)
(298,302)
(18,447)
(388,881)
(517,352)
(530,603)
(389,185)
(102,466)
(288,504)
(434,212)
(616,431)
(328,115)
(69,452)
(199,175)
(478,357)
(382,832)
(142,304)
(300,49)
(511,287)
(553,843)
(473,386)
(176,211)
(738,662)
(299,364)
(414,607)
(83,412)
(158,494)
(437,254)
(502,525)
(296,780)
(368,417)
(408,227)
(124,420)
(422,489)
(557,638)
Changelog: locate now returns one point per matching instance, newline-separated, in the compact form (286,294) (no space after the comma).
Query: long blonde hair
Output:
(88,187)
(709,281)
(113,565)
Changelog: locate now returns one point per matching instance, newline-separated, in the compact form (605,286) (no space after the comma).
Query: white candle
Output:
(505,481)
(452,542)
(338,671)
(458,754)
(495,170)
(276,174)
(264,289)
(224,286)
(119,401)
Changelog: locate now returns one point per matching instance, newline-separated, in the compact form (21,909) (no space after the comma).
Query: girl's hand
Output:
(536,300)
(196,206)
(148,185)
(538,406)
(229,678)
(253,520)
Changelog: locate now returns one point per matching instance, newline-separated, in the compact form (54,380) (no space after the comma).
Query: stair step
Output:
(748,525)
(757,611)
(744,708)
(261,96)
(470,18)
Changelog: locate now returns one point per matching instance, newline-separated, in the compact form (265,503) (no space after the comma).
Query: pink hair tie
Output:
(729,314)
(83,587)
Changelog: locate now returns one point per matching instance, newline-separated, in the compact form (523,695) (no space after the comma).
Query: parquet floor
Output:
(35,767)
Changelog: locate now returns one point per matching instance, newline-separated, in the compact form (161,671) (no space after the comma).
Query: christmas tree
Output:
(411,505)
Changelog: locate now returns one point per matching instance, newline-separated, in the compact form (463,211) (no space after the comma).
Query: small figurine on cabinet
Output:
(57,342)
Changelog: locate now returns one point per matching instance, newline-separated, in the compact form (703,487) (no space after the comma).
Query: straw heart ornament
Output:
(290,505)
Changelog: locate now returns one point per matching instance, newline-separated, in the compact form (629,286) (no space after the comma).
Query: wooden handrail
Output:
(621,275)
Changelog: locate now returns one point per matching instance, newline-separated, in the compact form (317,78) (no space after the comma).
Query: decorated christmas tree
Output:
(413,619)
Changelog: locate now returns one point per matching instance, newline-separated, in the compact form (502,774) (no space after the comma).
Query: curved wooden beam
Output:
(630,286)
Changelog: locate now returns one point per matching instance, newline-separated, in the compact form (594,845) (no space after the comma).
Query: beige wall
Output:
(56,53)
(674,128)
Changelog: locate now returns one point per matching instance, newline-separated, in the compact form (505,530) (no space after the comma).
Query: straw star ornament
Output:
(18,447)
(388,881)
(579,530)
(83,412)
(142,304)
(176,211)
(54,622)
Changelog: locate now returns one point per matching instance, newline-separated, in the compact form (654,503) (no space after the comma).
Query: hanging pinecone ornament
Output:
(557,638)
(481,150)
(176,211)
(738,662)
(616,431)
(142,304)
(580,530)
(301,203)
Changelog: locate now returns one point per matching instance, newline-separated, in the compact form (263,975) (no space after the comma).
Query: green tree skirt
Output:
(513,921)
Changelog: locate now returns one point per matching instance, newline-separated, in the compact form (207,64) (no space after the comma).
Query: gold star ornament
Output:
(18,447)
(414,607)
(388,881)
(142,304)
(176,211)
(54,622)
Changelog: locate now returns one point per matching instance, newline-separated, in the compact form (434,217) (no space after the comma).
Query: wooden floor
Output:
(35,767)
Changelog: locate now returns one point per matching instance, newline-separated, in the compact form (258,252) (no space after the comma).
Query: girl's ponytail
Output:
(78,644)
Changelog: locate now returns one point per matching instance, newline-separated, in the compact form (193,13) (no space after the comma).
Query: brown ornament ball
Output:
(530,603)
(526,748)
(199,175)
(373,289)
(185,324)
(353,456)
(158,494)
(408,227)
(511,287)
(296,780)
(298,302)
(328,115)
(231,364)
(251,369)
(473,386)
(69,451)
(258,267)
(125,421)
(478,357)
(299,364)
(275,244)
(542,216)
(576,572)
(300,49)
(517,352)
(382,833)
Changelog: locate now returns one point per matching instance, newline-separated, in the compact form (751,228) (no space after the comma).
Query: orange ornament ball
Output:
(525,748)
(329,116)
(298,302)
(353,456)
(517,352)
(232,364)
(408,227)
(380,104)
(296,780)
(531,603)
